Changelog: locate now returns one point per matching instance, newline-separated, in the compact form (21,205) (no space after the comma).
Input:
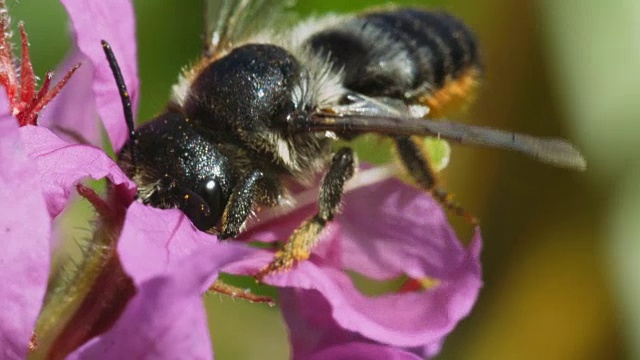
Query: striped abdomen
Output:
(416,55)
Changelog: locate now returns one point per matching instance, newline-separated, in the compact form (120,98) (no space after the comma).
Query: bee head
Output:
(175,167)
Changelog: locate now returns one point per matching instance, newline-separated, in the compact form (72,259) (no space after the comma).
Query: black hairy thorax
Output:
(246,97)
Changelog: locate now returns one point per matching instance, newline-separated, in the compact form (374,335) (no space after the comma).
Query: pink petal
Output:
(61,165)
(386,230)
(24,259)
(172,265)
(310,329)
(72,115)
(114,22)
(398,231)
(412,319)
(314,335)
(163,236)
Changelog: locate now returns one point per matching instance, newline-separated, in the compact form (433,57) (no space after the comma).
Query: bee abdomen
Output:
(403,53)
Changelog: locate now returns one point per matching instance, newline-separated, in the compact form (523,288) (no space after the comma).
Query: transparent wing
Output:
(393,117)
(230,21)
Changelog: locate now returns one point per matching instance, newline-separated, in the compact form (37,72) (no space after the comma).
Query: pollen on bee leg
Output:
(297,249)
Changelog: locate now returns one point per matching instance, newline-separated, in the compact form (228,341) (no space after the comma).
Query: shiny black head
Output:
(172,164)
(175,167)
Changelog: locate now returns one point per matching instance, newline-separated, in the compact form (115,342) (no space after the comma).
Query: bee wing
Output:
(394,118)
(230,21)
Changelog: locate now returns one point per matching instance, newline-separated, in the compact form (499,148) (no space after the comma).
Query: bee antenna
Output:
(124,97)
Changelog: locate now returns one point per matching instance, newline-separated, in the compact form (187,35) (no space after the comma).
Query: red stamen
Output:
(29,115)
(24,101)
(56,89)
(8,76)
(27,77)
(4,80)
(410,285)
(413,285)
(44,88)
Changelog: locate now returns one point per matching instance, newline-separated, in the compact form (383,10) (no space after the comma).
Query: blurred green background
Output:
(562,252)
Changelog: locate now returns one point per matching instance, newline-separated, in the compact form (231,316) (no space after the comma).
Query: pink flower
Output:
(385,231)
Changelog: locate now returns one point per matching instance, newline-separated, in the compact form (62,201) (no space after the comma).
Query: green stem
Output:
(88,303)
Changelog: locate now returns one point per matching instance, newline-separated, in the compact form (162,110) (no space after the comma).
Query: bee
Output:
(263,108)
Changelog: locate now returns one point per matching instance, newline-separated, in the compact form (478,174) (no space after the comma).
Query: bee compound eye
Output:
(210,191)
(204,205)
(197,211)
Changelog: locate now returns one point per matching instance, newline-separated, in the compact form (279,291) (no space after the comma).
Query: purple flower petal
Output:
(61,165)
(114,22)
(386,230)
(401,231)
(25,229)
(172,265)
(163,236)
(317,336)
(72,115)
(406,319)
(310,329)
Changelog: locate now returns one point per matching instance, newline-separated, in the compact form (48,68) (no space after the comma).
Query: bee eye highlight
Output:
(210,191)
(204,205)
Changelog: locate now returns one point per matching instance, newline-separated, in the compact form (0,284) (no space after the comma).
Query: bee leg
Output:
(414,158)
(305,237)
(239,206)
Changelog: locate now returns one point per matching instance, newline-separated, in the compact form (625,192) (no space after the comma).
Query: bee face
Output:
(175,167)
